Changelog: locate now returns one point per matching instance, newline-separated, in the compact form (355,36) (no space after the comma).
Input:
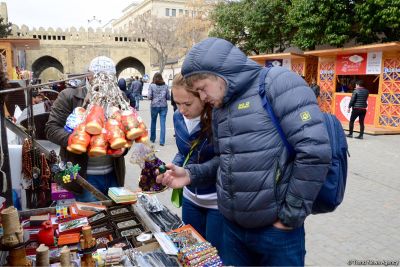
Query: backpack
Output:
(332,191)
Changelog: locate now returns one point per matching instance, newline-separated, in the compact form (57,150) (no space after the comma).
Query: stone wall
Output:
(73,49)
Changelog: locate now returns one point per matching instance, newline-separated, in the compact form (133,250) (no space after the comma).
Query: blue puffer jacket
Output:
(203,152)
(257,184)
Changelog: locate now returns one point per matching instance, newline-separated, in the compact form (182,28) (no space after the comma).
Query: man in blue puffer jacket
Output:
(263,195)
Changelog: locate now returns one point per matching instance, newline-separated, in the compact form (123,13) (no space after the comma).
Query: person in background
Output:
(158,94)
(315,87)
(122,85)
(102,172)
(359,105)
(37,97)
(136,92)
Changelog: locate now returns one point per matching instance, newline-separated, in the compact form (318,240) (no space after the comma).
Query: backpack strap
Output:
(263,88)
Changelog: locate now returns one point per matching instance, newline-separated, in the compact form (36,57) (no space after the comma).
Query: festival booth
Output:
(303,65)
(378,65)
(125,227)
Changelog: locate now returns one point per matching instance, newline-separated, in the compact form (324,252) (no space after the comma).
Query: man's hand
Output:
(174,177)
(281,226)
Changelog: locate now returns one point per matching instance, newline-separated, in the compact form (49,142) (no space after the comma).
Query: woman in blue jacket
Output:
(192,123)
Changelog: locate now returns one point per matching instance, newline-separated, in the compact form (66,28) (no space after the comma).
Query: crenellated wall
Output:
(71,50)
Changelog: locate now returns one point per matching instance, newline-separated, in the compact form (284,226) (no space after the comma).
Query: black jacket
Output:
(359,98)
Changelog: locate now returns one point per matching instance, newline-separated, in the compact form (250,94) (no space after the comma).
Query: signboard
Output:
(341,105)
(352,64)
(374,62)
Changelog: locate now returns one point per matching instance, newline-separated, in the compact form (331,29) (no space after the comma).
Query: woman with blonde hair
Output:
(192,123)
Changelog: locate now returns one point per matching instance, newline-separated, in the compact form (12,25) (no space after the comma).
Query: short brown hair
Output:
(199,76)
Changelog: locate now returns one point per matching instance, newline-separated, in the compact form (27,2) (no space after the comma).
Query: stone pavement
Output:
(364,227)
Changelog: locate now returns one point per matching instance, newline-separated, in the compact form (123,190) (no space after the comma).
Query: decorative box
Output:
(103,240)
(58,193)
(67,239)
(125,222)
(72,226)
(121,242)
(131,231)
(98,218)
(86,209)
(103,229)
(120,211)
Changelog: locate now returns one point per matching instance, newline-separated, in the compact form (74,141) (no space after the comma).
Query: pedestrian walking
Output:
(158,94)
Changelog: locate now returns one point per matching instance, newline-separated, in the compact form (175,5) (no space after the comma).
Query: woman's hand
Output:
(174,177)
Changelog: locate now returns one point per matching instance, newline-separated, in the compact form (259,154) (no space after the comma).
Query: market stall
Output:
(378,65)
(125,228)
(303,65)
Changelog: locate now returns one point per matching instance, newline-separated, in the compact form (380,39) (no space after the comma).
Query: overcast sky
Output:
(64,13)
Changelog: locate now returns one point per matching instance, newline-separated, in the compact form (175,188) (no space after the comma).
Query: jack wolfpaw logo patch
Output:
(305,116)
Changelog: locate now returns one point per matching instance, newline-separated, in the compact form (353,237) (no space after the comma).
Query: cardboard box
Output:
(58,193)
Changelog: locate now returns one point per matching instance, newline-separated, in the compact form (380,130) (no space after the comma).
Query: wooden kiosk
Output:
(306,66)
(335,70)
(378,65)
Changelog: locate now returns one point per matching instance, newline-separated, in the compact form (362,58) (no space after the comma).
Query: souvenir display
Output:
(200,254)
(144,156)
(108,121)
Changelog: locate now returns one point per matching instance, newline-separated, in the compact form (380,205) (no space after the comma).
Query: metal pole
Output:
(42,84)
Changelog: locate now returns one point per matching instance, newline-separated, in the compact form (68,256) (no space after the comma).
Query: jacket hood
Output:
(220,57)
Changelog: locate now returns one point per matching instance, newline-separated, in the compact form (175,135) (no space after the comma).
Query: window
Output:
(59,38)
(180,12)
(186,12)
(63,38)
(167,12)
(34,36)
(173,12)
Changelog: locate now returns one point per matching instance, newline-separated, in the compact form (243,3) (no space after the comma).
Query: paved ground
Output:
(364,227)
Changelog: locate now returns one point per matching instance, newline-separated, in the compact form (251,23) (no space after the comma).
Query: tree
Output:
(194,24)
(228,23)
(254,26)
(267,24)
(159,34)
(378,20)
(5,28)
(321,22)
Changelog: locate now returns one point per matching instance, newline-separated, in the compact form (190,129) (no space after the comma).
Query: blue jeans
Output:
(137,100)
(163,115)
(101,182)
(208,222)
(267,246)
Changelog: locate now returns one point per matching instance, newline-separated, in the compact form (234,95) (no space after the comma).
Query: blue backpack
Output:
(332,191)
